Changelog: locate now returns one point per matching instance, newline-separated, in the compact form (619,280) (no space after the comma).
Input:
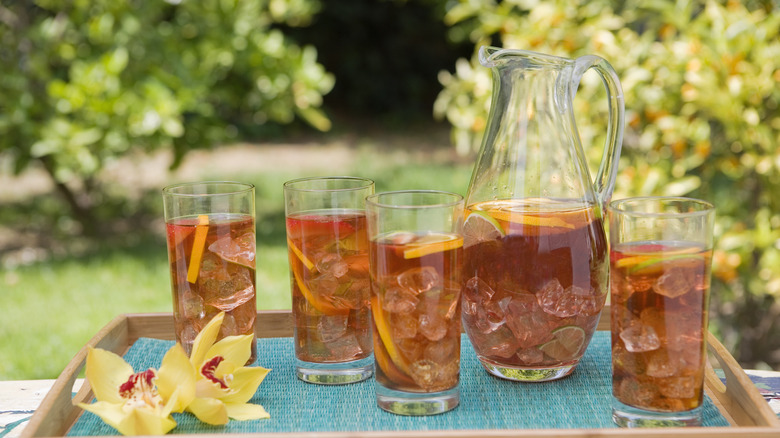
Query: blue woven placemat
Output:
(580,401)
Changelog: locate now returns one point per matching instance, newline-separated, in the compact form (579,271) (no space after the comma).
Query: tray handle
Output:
(57,412)
(739,395)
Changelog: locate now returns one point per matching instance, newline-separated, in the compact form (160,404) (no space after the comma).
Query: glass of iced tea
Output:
(211,250)
(415,263)
(327,245)
(660,254)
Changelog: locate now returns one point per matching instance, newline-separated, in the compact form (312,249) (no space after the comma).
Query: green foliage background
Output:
(701,80)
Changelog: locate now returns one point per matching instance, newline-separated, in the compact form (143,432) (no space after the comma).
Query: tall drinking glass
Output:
(327,245)
(661,249)
(211,250)
(416,255)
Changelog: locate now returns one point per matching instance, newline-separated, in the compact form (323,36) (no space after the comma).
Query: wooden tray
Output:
(738,400)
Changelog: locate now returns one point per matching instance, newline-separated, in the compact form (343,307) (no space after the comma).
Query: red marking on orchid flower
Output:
(208,369)
(137,382)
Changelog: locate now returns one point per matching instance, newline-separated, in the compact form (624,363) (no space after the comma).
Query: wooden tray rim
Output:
(738,400)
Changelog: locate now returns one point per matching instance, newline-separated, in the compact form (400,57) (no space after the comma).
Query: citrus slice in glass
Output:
(566,343)
(431,244)
(385,335)
(198,245)
(480,227)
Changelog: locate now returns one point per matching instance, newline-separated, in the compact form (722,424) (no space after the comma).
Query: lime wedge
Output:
(431,244)
(480,227)
(566,343)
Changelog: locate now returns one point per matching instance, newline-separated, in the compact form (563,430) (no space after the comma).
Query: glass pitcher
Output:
(535,272)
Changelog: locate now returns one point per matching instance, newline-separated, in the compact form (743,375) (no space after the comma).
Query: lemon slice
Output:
(566,344)
(653,262)
(201,231)
(480,227)
(305,260)
(432,244)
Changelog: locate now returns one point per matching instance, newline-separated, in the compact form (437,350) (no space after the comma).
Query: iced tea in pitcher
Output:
(534,283)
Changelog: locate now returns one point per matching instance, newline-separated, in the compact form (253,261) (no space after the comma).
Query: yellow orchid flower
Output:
(139,403)
(223,384)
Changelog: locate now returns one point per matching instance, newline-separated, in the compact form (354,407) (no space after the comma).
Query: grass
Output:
(52,308)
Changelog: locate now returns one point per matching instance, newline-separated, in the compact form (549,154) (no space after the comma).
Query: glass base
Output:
(520,374)
(335,373)
(415,403)
(627,416)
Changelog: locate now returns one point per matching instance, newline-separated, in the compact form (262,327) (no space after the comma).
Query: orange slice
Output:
(317,304)
(388,367)
(527,219)
(384,333)
(431,244)
(305,260)
(201,230)
(627,262)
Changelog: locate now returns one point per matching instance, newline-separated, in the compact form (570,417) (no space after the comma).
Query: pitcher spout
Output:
(491,57)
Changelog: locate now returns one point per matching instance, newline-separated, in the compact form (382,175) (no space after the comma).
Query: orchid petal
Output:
(234,349)
(205,388)
(246,411)
(176,374)
(245,383)
(111,413)
(146,422)
(106,372)
(209,410)
(205,340)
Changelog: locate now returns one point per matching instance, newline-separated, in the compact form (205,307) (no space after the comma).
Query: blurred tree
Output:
(701,81)
(87,81)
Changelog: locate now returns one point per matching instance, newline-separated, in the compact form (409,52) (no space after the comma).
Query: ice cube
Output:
(191,305)
(530,356)
(442,352)
(244,317)
(228,327)
(332,263)
(500,343)
(478,291)
(529,327)
(637,393)
(240,250)
(332,327)
(419,280)
(187,337)
(324,285)
(212,267)
(639,338)
(412,349)
(345,348)
(662,364)
(673,283)
(432,327)
(628,362)
(678,387)
(556,300)
(397,300)
(403,325)
(230,293)
(488,318)
(432,376)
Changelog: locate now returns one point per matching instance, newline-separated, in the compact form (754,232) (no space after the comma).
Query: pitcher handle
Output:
(605,178)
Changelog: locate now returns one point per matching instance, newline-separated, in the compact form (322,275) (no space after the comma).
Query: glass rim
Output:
(289,185)
(241,187)
(616,206)
(456,199)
